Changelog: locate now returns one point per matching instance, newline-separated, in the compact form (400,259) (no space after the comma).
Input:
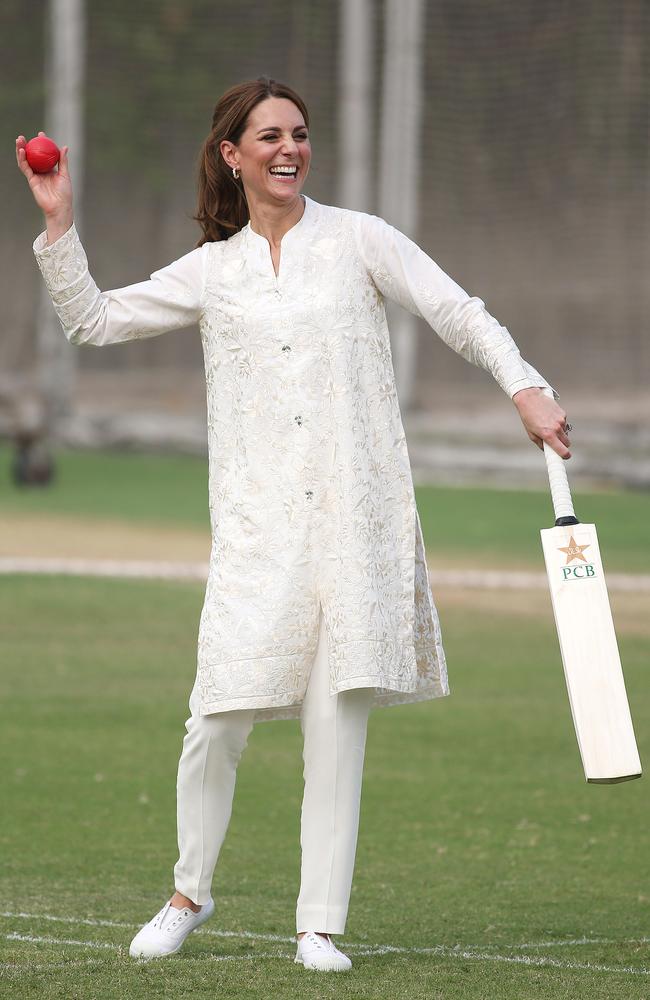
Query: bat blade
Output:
(592,665)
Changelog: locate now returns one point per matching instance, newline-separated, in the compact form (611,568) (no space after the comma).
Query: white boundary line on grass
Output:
(142,569)
(33,939)
(576,941)
(88,922)
(362,949)
(441,950)
(481,579)
(486,956)
(259,936)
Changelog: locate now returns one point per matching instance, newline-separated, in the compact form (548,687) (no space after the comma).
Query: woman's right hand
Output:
(52,191)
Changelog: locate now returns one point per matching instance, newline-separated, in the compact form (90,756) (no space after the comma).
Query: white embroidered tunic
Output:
(310,490)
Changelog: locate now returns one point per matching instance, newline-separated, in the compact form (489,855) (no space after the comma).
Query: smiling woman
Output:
(272,161)
(317,603)
(254,163)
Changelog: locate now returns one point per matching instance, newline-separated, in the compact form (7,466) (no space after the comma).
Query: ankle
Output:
(179,902)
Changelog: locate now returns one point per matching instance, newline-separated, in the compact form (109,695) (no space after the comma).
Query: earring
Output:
(235,172)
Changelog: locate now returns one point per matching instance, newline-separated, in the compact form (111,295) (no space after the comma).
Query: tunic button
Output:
(286,348)
(278,293)
(309,494)
(298,420)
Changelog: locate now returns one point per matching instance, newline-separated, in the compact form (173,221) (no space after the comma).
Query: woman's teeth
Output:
(285,173)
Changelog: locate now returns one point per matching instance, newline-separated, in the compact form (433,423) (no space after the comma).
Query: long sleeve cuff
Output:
(169,300)
(64,267)
(531,380)
(41,246)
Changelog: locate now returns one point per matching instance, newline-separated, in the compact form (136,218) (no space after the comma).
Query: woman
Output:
(318,603)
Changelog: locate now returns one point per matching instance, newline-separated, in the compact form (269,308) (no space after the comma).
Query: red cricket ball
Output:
(42,154)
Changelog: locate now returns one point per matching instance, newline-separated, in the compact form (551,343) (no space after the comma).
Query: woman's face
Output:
(275,136)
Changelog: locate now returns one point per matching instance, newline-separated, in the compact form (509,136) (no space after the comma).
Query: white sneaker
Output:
(166,932)
(316,952)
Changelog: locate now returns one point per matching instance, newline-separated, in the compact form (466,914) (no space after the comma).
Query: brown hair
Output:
(222,208)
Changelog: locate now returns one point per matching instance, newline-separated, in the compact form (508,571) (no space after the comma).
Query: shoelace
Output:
(321,943)
(160,917)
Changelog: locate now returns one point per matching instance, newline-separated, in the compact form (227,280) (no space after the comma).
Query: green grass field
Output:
(486,867)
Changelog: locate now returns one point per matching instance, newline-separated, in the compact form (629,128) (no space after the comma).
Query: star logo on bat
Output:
(573,551)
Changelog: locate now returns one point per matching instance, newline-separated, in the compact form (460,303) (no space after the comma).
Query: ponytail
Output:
(222,207)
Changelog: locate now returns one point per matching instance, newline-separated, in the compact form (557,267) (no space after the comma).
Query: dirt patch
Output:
(60,536)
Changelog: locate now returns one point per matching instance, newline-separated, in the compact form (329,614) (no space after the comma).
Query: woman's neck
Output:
(273,221)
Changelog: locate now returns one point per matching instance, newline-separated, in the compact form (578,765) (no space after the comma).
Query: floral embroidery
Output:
(310,490)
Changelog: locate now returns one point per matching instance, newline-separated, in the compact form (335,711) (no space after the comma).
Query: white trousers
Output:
(334,732)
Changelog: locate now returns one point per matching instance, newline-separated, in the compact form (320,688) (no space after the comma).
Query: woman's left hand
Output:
(543,419)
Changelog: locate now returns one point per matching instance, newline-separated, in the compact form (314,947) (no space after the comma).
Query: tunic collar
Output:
(259,248)
(303,223)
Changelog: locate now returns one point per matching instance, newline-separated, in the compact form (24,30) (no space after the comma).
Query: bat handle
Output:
(560,491)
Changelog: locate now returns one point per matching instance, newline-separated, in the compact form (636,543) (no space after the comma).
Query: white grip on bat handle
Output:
(557,477)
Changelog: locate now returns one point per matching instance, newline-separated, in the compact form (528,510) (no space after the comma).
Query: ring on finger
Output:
(567,426)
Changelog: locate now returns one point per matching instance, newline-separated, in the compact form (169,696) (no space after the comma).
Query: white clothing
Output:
(310,491)
(334,729)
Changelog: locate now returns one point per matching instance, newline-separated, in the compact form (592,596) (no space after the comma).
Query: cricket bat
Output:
(583,617)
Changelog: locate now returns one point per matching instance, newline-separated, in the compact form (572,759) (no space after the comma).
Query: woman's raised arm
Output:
(169,300)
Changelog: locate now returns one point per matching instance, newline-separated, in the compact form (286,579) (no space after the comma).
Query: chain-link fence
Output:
(534,185)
